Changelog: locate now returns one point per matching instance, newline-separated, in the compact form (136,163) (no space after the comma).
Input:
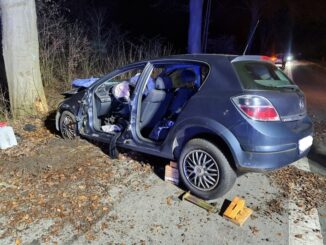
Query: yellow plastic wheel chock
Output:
(237,212)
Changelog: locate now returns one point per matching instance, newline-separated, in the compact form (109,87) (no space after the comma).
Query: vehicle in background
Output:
(281,59)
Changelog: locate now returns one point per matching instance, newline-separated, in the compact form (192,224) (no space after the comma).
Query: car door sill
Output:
(103,137)
(148,150)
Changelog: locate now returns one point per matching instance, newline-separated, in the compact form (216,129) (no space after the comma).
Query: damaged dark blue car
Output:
(218,116)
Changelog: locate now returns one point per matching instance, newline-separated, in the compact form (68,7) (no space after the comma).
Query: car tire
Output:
(68,125)
(205,170)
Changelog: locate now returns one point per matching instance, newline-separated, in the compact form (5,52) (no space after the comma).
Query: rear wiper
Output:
(287,86)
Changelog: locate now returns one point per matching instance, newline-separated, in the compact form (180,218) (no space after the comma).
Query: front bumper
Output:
(57,118)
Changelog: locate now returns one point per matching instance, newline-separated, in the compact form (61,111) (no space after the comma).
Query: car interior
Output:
(166,92)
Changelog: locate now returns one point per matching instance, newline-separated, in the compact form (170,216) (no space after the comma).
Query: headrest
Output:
(188,76)
(163,83)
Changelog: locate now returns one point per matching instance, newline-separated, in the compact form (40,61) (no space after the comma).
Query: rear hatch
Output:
(264,79)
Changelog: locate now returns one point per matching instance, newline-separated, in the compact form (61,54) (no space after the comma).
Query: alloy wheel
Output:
(201,170)
(68,127)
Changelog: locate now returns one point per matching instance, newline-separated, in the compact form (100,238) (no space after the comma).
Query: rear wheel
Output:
(68,125)
(204,169)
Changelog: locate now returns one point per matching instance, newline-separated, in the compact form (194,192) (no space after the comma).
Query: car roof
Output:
(207,58)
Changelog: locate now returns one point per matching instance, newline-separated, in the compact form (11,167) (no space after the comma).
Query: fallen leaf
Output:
(253,217)
(254,229)
(82,198)
(104,226)
(90,236)
(169,200)
(82,187)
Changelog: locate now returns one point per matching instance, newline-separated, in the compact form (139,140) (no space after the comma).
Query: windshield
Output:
(261,75)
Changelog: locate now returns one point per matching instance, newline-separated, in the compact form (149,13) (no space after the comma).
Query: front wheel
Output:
(68,125)
(204,169)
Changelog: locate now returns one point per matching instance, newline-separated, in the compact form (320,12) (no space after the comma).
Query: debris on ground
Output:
(7,136)
(306,189)
(319,130)
(29,140)
(29,127)
(254,230)
(69,182)
(298,236)
(275,205)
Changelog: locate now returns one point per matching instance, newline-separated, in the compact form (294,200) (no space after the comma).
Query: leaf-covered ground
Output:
(69,182)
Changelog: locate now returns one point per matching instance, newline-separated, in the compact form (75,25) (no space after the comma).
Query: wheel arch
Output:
(220,143)
(61,109)
(217,134)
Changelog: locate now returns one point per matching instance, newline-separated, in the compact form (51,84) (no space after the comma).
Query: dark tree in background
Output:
(284,24)
(195,26)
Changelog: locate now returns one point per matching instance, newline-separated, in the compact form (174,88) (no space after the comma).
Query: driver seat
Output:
(156,103)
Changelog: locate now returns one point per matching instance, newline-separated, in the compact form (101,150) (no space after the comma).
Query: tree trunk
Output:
(21,56)
(195,23)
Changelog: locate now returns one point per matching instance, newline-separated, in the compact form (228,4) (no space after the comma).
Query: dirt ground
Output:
(70,192)
(46,177)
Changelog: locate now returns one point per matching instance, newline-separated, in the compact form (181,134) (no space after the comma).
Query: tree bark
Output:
(21,56)
(195,23)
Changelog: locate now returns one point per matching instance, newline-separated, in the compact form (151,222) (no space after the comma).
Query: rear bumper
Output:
(269,160)
(265,146)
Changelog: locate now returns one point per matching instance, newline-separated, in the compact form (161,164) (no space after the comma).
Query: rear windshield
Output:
(261,75)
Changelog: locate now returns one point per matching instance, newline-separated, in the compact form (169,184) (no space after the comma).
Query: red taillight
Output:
(260,113)
(265,58)
(256,107)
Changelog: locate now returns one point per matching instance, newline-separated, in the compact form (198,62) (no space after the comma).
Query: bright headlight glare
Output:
(289,58)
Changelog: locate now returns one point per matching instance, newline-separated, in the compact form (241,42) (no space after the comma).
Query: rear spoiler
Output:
(253,58)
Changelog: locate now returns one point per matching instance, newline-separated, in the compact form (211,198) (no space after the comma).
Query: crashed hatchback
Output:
(218,116)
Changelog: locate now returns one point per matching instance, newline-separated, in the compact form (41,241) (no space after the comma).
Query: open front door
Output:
(137,100)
